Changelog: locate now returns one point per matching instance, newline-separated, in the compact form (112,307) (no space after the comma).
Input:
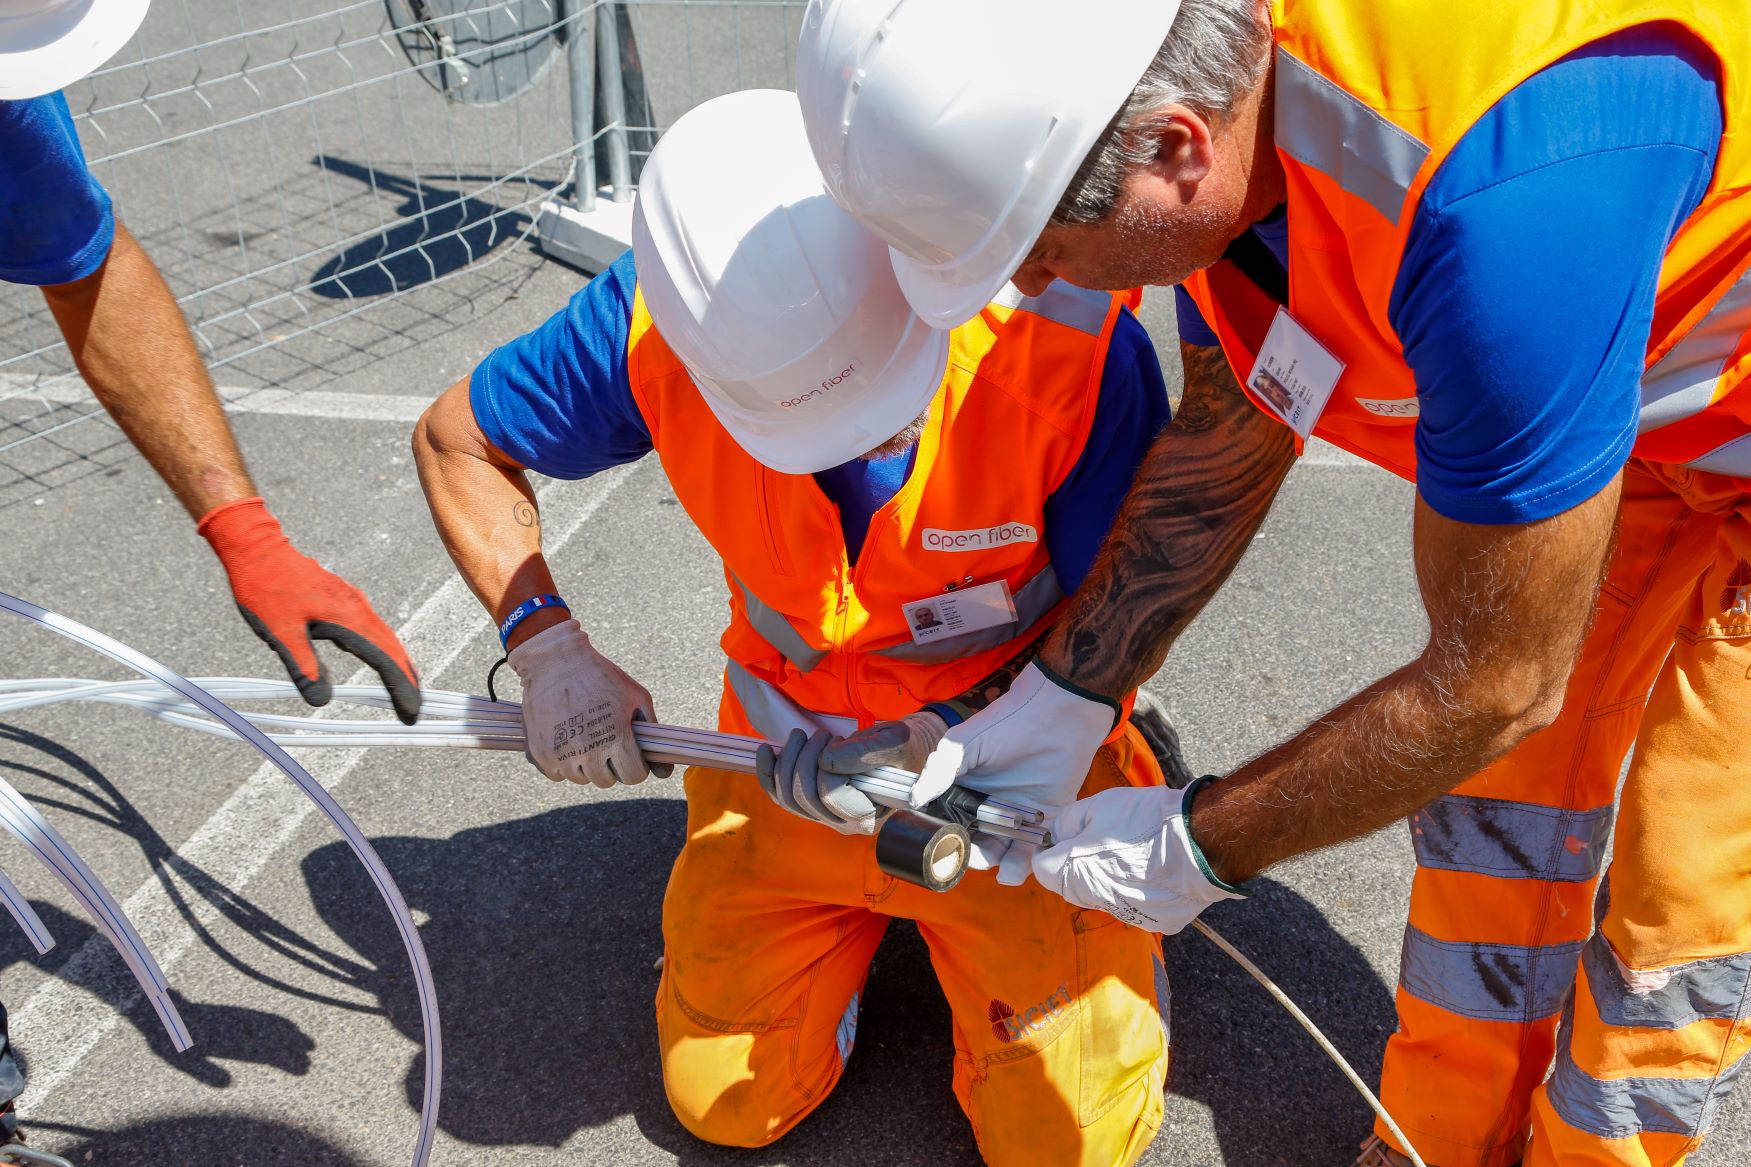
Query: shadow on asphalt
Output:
(1275,1096)
(447,231)
(193,1139)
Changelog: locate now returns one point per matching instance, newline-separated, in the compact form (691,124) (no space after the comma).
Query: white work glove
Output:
(1031,746)
(1130,852)
(578,710)
(811,776)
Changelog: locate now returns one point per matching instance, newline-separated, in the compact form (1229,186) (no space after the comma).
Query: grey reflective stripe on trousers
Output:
(1620,1108)
(1037,597)
(773,715)
(1488,982)
(1682,383)
(1511,840)
(779,632)
(1061,303)
(1714,989)
(1320,125)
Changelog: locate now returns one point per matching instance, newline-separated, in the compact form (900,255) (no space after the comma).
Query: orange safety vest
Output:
(813,639)
(1371,96)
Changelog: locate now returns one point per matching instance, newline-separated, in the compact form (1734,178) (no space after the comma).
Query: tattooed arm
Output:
(484,510)
(1508,609)
(1203,491)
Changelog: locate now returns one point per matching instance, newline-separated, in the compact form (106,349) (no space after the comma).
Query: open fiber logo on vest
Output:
(1010,1026)
(827,386)
(979,538)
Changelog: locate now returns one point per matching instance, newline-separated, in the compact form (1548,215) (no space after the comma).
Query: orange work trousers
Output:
(769,925)
(1633,1000)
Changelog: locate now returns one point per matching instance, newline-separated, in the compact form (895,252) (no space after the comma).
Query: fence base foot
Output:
(588,240)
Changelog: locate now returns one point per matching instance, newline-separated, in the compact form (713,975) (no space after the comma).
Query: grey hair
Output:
(1215,53)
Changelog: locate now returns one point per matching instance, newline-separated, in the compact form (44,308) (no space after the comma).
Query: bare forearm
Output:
(134,349)
(485,513)
(1508,611)
(1205,487)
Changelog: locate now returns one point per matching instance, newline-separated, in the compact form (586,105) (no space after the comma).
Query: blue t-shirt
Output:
(56,223)
(1526,292)
(558,401)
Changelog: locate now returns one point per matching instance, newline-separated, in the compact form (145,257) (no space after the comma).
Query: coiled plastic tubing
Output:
(450,719)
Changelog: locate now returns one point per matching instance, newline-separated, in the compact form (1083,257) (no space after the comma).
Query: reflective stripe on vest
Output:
(1036,599)
(1621,1108)
(1670,998)
(1061,303)
(1684,382)
(779,632)
(1511,840)
(1488,982)
(1321,126)
(773,715)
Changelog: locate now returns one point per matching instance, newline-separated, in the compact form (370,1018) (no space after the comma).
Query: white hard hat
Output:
(785,311)
(47,45)
(951,128)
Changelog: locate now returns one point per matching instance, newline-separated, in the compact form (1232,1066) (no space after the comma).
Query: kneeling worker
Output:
(851,466)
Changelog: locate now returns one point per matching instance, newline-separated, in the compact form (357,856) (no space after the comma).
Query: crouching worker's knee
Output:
(739,1086)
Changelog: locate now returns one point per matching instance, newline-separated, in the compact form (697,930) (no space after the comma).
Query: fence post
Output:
(613,99)
(580,63)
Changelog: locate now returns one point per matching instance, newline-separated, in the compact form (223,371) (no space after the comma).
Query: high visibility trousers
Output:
(1653,1027)
(769,925)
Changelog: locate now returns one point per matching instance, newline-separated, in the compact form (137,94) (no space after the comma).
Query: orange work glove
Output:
(289,598)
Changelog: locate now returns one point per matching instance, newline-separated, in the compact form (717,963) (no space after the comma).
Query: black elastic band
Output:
(1253,257)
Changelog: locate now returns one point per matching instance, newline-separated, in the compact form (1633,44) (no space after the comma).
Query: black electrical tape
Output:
(915,847)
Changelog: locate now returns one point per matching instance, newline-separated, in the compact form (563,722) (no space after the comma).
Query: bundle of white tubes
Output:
(450,719)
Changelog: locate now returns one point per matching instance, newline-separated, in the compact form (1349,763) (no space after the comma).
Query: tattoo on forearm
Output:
(524,513)
(1204,489)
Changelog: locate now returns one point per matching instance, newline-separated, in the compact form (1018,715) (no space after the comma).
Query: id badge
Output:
(959,612)
(1294,374)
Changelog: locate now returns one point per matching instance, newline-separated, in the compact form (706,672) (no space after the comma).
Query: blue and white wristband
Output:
(525,610)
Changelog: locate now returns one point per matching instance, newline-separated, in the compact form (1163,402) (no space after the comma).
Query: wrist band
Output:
(527,609)
(1086,694)
(952,712)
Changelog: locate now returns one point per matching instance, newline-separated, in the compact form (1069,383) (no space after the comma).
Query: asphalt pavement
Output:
(539,903)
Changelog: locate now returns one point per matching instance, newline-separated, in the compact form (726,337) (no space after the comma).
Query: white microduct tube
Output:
(361,847)
(25,916)
(30,828)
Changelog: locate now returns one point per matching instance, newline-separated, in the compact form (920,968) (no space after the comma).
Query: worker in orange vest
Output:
(900,512)
(1499,250)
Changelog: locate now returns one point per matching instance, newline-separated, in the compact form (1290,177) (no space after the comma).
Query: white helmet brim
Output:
(55,45)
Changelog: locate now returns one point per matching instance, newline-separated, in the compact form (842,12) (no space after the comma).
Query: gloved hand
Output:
(290,599)
(1130,852)
(578,710)
(1031,746)
(810,776)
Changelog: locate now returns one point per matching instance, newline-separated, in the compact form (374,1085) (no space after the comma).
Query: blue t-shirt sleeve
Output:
(1526,291)
(558,399)
(56,222)
(1131,410)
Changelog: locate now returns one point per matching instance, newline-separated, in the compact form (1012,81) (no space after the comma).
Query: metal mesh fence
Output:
(315,200)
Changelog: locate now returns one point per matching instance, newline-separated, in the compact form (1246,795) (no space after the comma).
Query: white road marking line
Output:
(60,1023)
(277,402)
